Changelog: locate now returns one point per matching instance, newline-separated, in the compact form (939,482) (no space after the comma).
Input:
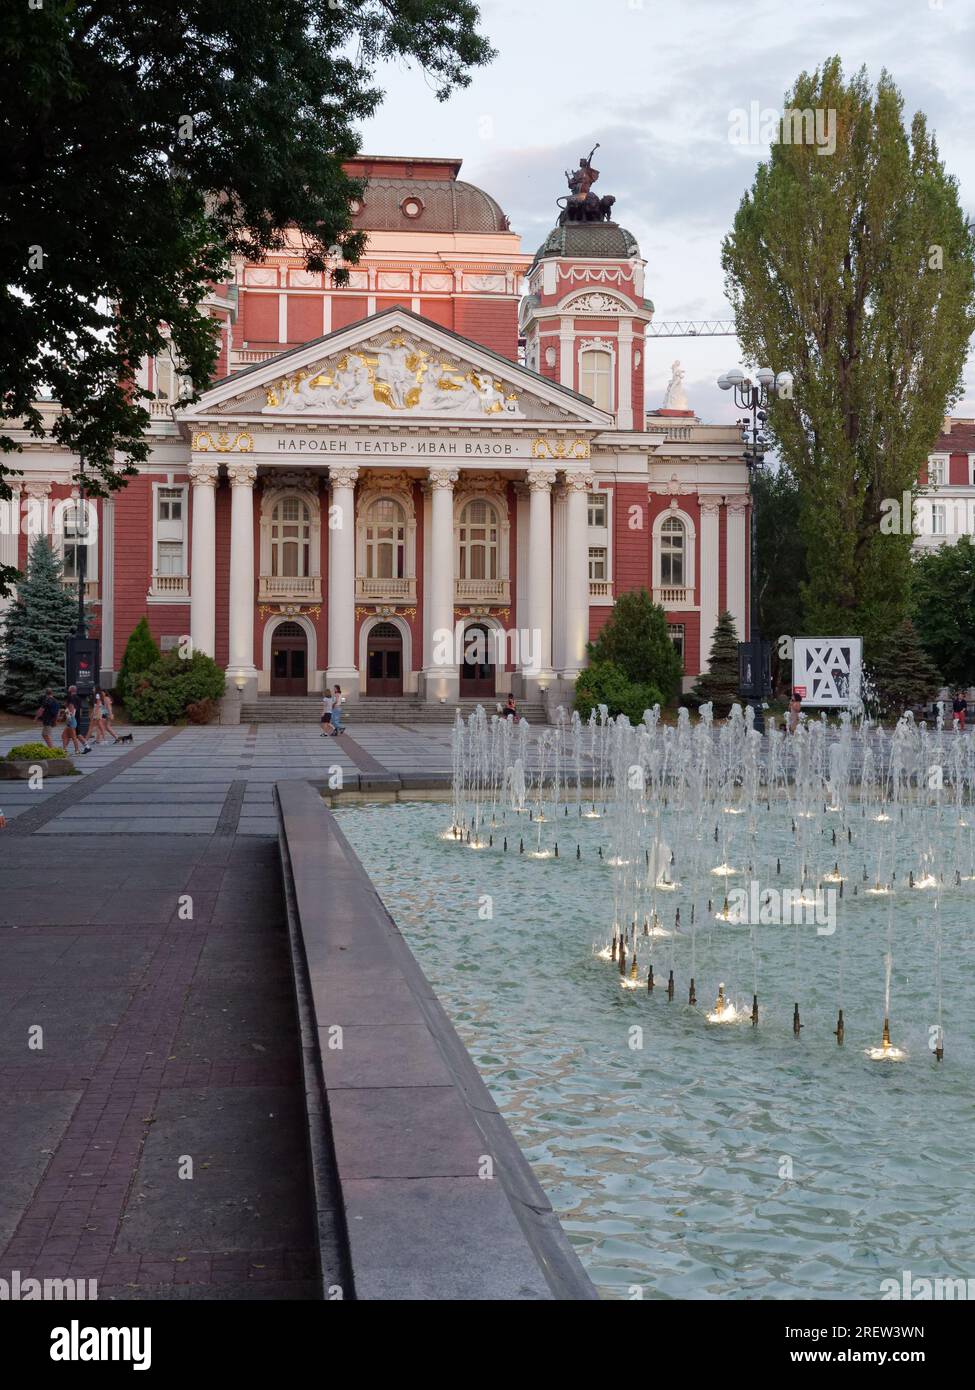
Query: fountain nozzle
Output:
(840,1028)
(633,970)
(886,1037)
(650,978)
(670,985)
(796,1024)
(692,995)
(754,1010)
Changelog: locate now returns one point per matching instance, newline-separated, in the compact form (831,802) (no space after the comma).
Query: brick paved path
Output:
(163,1040)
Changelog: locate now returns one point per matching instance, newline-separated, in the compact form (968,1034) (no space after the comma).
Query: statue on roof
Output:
(582,205)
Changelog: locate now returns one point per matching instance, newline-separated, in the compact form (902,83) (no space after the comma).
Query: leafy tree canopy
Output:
(143,145)
(855,271)
(943,608)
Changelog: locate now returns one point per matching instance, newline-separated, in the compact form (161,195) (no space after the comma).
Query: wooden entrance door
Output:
(289,660)
(476,676)
(384,661)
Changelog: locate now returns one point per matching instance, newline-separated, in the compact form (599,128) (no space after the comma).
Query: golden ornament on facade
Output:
(289,610)
(560,448)
(224,443)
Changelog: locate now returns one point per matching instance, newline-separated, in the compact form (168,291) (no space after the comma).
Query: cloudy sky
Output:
(655,83)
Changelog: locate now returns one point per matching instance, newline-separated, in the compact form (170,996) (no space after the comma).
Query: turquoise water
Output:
(697,1160)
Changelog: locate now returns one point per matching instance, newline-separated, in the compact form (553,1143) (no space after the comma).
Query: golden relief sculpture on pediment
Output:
(400,375)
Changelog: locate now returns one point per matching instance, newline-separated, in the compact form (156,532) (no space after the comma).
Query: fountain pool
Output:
(690,1158)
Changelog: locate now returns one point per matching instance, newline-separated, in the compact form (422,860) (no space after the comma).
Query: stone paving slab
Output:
(164,1037)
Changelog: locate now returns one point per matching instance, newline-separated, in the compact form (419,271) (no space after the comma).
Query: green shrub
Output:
(636,639)
(34,753)
(605,683)
(141,654)
(163,693)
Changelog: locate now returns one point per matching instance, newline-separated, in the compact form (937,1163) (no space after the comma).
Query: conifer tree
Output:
(902,674)
(719,683)
(43,614)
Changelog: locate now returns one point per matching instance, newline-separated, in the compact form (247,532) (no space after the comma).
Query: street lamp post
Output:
(755,395)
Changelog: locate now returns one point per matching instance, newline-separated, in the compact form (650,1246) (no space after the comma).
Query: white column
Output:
(624,400)
(566,364)
(9,533)
(737,563)
(108,585)
(441,675)
(203,570)
(539,672)
(342,669)
(708,576)
(575,614)
(241,664)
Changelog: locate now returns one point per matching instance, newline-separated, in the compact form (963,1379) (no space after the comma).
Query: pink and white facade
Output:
(383,463)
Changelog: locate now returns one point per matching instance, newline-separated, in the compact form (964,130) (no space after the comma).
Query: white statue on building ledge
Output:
(675,397)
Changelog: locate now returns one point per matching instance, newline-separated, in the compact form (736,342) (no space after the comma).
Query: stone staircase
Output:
(407,709)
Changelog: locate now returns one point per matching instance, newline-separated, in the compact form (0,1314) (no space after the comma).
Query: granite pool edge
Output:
(437,1200)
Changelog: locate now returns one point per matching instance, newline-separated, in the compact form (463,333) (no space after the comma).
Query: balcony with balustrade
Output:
(674,596)
(482,591)
(370,589)
(307,587)
(170,586)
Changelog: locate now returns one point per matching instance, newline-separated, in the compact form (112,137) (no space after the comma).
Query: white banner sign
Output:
(311,445)
(826,671)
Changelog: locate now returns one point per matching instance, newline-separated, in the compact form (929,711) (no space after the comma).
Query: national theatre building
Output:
(429,483)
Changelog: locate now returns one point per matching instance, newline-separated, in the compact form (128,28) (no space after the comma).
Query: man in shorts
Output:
(47,713)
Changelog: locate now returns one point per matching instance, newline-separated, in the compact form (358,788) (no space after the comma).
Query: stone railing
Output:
(673,596)
(482,590)
(385,590)
(274,586)
(600,588)
(91,587)
(171,585)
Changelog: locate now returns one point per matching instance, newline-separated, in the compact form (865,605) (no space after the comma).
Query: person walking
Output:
(70,733)
(47,713)
(959,710)
(328,704)
(75,699)
(338,700)
(108,714)
(97,725)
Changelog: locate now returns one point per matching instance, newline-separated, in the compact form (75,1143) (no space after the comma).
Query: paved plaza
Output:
(164,1037)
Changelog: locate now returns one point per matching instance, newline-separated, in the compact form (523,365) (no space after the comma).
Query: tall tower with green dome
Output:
(585,315)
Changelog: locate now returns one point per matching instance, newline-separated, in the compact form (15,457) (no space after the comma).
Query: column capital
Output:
(539,479)
(204,474)
(738,502)
(442,477)
(242,474)
(33,488)
(577,481)
(709,503)
(342,476)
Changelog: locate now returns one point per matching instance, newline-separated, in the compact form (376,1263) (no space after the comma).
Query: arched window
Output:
(673,548)
(385,540)
(478,539)
(290,532)
(596,377)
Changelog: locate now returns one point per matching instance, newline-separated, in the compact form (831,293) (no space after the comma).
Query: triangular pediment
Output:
(394,367)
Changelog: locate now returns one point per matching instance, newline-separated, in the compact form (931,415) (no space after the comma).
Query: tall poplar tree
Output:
(855,271)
